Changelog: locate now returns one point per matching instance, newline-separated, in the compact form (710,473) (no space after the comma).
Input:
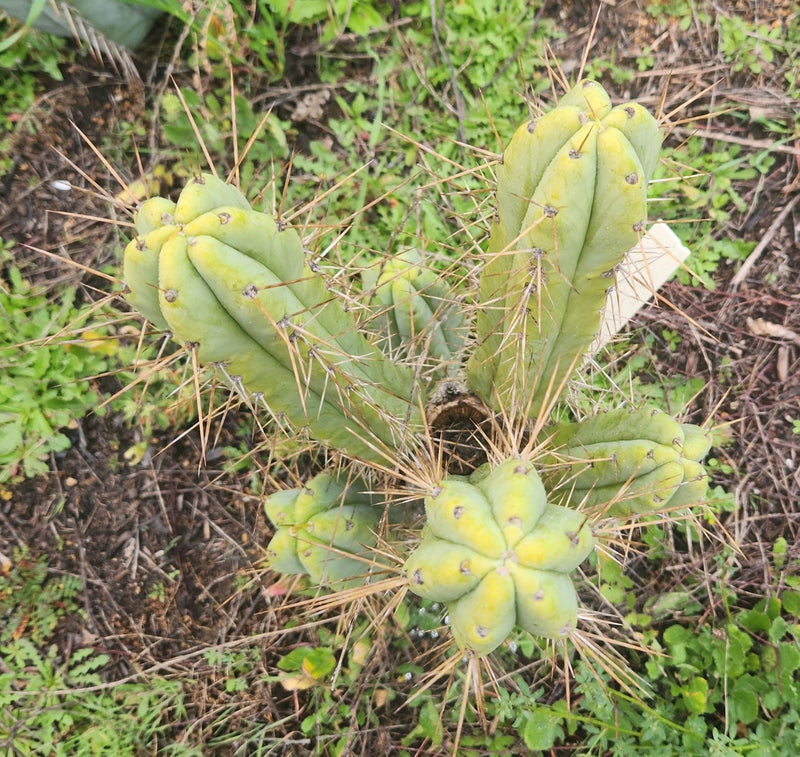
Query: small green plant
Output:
(714,194)
(424,404)
(26,59)
(747,46)
(50,704)
(31,602)
(212,115)
(37,717)
(748,669)
(44,388)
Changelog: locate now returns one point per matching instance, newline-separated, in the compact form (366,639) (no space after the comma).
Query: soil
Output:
(170,552)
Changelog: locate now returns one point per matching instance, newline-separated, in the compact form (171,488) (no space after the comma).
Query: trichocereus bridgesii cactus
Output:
(228,281)
(625,462)
(500,543)
(415,313)
(322,529)
(571,194)
(498,555)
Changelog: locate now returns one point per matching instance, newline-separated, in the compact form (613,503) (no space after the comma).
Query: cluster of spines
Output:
(498,556)
(225,279)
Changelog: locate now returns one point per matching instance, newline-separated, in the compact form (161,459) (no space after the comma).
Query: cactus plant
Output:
(500,540)
(416,313)
(322,529)
(633,461)
(119,22)
(571,194)
(225,279)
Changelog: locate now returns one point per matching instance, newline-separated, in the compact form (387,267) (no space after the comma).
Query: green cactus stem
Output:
(322,529)
(571,194)
(498,556)
(416,315)
(228,281)
(625,462)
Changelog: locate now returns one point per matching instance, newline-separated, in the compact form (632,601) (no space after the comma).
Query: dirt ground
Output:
(127,530)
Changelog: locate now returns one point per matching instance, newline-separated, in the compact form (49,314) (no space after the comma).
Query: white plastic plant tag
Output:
(645,269)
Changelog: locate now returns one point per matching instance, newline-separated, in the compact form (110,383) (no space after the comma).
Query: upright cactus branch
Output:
(571,195)
(226,280)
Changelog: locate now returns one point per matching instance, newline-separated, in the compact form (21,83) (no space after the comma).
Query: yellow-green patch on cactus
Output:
(546,602)
(517,497)
(561,541)
(443,571)
(459,512)
(483,618)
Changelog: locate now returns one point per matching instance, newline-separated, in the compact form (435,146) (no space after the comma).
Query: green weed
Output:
(748,46)
(31,602)
(713,195)
(729,689)
(56,705)
(26,62)
(61,707)
(44,361)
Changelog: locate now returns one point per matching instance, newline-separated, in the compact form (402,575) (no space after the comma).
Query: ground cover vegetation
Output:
(136,583)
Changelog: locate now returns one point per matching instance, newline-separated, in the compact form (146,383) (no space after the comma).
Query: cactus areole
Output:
(498,556)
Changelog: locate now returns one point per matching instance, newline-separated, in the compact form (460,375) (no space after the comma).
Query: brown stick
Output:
(758,144)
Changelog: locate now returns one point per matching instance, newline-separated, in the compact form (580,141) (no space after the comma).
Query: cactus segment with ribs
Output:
(498,555)
(322,529)
(226,280)
(627,462)
(416,314)
(571,194)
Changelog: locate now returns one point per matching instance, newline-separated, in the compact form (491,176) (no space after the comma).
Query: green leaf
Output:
(542,729)
(744,700)
(778,630)
(430,722)
(695,695)
(755,621)
(677,638)
(791,602)
(313,661)
(319,662)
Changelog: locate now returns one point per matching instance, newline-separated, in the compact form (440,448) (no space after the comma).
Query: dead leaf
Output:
(760,327)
